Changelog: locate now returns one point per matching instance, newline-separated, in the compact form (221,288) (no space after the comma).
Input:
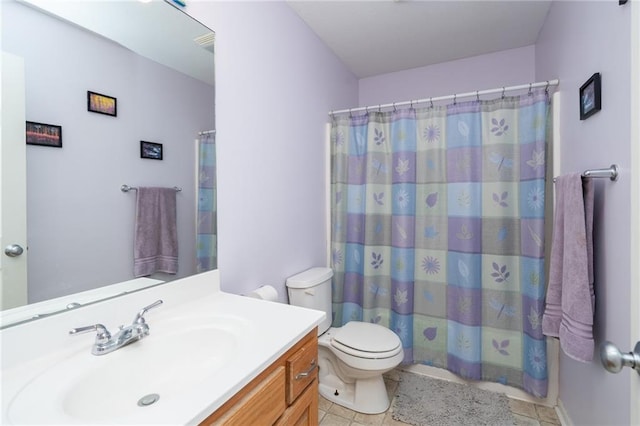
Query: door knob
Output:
(13,250)
(613,360)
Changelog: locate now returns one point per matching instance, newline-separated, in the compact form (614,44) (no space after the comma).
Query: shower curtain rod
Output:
(206,132)
(477,94)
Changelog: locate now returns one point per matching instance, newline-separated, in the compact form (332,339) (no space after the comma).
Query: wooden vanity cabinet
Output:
(285,393)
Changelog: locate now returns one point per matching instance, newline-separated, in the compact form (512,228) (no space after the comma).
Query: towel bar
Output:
(127,188)
(610,172)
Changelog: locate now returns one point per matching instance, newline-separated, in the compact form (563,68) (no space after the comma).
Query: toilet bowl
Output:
(351,358)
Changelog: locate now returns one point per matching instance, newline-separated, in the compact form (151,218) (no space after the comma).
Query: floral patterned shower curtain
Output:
(206,238)
(438,233)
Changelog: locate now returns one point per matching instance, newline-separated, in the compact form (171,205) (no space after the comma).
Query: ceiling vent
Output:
(206,41)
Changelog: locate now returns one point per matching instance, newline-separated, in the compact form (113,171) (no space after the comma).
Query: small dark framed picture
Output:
(44,134)
(102,104)
(590,97)
(151,150)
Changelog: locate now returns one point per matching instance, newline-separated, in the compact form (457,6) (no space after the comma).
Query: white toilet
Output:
(352,358)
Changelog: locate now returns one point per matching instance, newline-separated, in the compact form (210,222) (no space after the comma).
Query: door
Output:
(635,206)
(13,185)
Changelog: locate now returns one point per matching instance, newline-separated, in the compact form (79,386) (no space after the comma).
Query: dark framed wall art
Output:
(102,104)
(590,97)
(151,150)
(44,134)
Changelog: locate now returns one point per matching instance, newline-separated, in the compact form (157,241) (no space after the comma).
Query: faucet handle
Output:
(139,319)
(102,336)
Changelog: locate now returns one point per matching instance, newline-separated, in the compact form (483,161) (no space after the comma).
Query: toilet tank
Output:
(312,289)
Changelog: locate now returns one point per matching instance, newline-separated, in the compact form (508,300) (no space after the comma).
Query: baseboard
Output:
(564,418)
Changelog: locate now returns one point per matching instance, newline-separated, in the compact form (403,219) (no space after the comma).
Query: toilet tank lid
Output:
(310,277)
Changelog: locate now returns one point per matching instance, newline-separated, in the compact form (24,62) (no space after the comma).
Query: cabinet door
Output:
(261,406)
(303,412)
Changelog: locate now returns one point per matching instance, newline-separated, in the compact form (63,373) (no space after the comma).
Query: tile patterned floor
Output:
(330,414)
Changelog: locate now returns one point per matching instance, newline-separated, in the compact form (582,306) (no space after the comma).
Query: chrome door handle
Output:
(613,360)
(13,250)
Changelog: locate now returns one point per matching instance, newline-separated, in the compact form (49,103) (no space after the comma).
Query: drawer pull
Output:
(308,372)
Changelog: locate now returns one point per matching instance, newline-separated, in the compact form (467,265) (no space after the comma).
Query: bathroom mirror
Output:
(157,63)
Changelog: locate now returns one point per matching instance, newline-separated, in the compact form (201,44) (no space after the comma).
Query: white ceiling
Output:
(375,37)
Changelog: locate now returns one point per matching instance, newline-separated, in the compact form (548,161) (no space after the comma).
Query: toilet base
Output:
(368,396)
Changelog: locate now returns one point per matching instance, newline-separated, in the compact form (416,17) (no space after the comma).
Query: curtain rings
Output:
(530,92)
(350,113)
(379,108)
(394,107)
(477,95)
(454,99)
(431,102)
(503,90)
(546,92)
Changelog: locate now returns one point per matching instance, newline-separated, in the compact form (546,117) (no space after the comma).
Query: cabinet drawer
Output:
(302,369)
(261,406)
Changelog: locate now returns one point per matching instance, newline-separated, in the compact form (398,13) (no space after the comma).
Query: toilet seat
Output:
(366,340)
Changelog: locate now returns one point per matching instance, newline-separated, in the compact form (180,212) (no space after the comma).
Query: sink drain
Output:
(148,399)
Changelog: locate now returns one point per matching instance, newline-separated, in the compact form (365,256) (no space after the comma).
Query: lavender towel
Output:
(156,235)
(570,301)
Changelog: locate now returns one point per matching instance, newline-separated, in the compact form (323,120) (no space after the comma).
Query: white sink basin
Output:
(178,354)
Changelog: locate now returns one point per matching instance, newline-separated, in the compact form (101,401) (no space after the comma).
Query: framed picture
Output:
(44,134)
(151,150)
(590,97)
(102,104)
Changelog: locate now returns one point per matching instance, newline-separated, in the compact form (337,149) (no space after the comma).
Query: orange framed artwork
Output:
(44,134)
(102,104)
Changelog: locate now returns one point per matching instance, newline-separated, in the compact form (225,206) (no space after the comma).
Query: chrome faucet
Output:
(106,343)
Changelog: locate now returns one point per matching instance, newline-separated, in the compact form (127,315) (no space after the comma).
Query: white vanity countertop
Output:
(31,351)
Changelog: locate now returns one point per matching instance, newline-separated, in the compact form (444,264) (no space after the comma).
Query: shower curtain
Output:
(206,238)
(438,233)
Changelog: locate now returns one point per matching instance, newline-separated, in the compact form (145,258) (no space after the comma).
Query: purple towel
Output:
(570,300)
(156,235)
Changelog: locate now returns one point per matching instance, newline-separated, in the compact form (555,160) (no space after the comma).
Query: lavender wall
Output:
(80,231)
(578,39)
(505,68)
(271,214)
(275,83)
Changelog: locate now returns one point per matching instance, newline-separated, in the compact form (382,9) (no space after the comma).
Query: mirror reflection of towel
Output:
(156,235)
(570,300)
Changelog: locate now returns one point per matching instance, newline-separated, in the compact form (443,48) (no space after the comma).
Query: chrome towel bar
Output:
(127,188)
(610,172)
